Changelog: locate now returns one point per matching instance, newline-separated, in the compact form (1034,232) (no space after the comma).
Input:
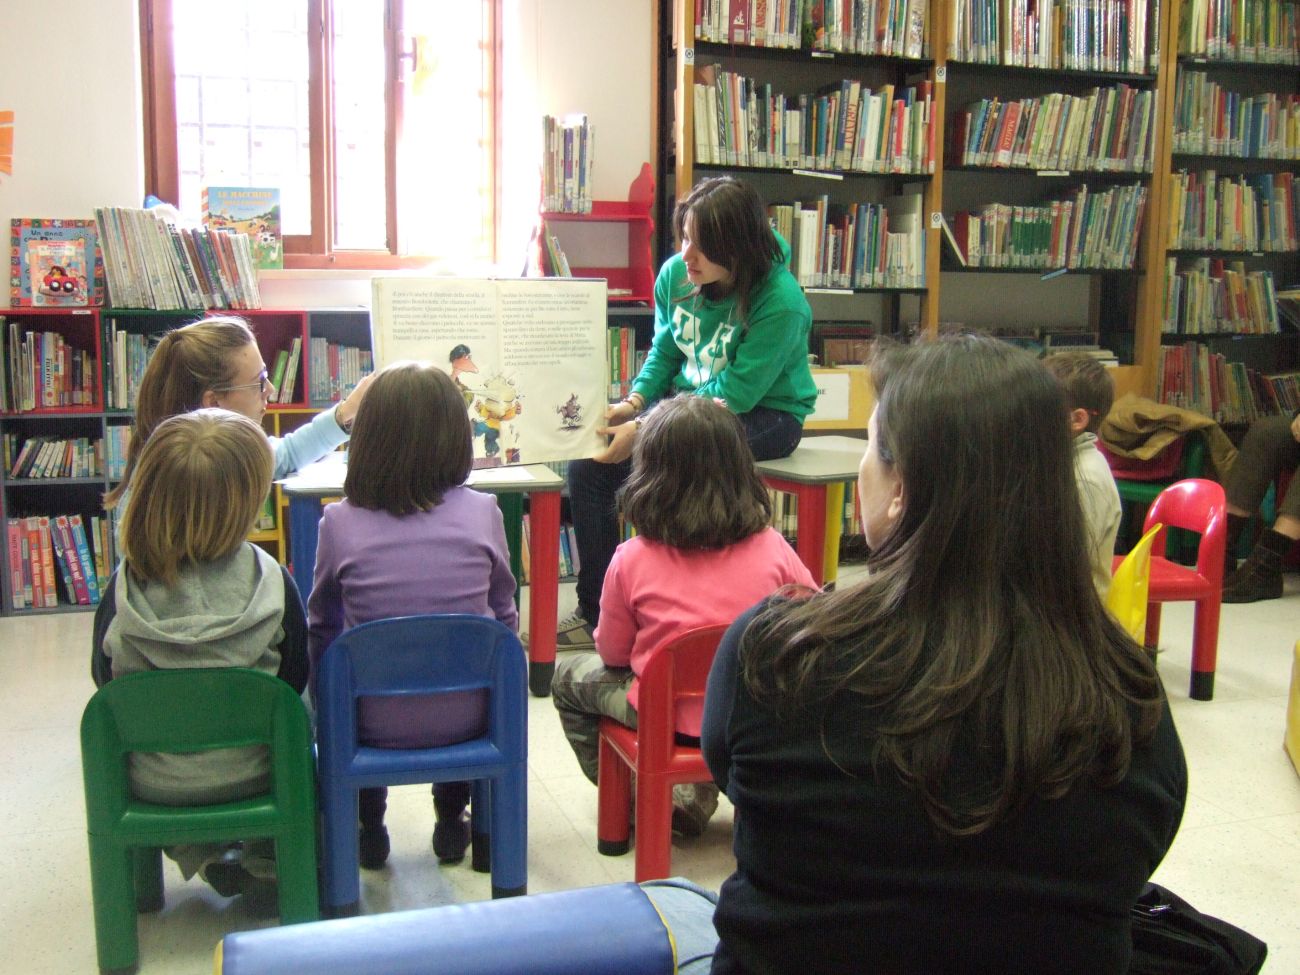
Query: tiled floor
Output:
(1237,854)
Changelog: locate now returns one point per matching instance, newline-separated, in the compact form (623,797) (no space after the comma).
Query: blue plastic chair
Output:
(425,655)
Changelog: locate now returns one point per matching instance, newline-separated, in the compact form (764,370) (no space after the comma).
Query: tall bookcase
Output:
(1220,184)
(839,185)
(92,330)
(1126,304)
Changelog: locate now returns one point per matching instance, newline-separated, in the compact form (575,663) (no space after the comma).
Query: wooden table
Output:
(818,468)
(308,489)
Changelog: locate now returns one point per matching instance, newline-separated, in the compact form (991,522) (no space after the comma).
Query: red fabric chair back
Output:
(1162,466)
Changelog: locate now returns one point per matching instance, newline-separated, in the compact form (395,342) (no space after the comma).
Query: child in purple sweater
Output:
(411,539)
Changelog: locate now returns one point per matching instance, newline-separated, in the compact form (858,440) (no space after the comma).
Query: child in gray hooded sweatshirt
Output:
(193,592)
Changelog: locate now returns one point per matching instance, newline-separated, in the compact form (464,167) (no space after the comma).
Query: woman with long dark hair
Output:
(961,763)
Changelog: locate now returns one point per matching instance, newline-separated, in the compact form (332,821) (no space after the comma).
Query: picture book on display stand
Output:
(54,263)
(529,356)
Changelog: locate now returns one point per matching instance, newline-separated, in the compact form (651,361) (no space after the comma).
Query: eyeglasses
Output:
(262,385)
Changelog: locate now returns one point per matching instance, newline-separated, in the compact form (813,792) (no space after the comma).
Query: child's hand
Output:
(620,413)
(347,410)
(622,437)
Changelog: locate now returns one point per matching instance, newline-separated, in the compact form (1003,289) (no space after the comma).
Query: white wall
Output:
(70,72)
(78,138)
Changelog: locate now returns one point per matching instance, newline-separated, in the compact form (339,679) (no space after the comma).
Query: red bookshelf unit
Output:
(635,282)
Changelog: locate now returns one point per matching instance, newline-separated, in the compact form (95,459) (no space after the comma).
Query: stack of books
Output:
(151,263)
(42,371)
(569,144)
(51,560)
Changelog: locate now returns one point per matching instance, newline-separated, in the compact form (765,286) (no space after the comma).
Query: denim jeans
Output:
(593,498)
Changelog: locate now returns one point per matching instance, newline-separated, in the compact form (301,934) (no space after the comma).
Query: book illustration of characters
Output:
(57,272)
(461,363)
(65,278)
(497,405)
(570,413)
(248,210)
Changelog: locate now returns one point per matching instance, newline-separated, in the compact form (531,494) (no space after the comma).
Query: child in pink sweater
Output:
(703,553)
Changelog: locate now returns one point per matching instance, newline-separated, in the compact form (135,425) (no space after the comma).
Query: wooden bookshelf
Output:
(1126,305)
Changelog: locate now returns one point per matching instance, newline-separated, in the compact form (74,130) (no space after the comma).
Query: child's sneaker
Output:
(693,805)
(575,633)
(374,846)
(451,839)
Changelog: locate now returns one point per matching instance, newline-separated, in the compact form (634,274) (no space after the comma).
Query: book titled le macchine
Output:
(252,210)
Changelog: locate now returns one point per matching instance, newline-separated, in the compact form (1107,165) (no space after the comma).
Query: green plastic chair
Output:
(188,711)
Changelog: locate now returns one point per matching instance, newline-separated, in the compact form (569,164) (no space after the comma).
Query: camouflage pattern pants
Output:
(585,690)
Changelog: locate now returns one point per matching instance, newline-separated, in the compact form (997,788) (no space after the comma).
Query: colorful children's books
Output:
(248,210)
(54,263)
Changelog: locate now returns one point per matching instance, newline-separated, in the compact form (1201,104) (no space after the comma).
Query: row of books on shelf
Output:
(741,121)
(283,372)
(43,457)
(1208,295)
(1211,119)
(1085,230)
(42,370)
(1045,340)
(1193,377)
(569,561)
(625,360)
(1240,30)
(152,263)
(860,245)
(57,560)
(569,148)
(1253,212)
(889,27)
(1108,129)
(336,369)
(756,23)
(126,355)
(785,514)
(1074,35)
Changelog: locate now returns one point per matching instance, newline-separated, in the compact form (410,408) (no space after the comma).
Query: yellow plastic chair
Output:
(1127,598)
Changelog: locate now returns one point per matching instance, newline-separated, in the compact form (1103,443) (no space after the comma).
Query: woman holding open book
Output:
(731,323)
(216,363)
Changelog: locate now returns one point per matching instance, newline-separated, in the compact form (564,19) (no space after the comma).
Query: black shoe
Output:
(374,846)
(227,875)
(1251,583)
(451,839)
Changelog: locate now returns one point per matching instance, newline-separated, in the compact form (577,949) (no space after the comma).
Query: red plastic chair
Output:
(1194,505)
(671,685)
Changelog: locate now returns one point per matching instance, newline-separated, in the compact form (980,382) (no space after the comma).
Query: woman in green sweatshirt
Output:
(731,322)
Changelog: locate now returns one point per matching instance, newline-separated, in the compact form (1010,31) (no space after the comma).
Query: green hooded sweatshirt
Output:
(702,346)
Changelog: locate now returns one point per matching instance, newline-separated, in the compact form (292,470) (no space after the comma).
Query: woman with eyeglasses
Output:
(216,363)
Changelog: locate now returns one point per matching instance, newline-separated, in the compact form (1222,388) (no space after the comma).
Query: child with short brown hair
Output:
(1089,392)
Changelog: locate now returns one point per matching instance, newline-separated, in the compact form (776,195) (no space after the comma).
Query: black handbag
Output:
(1170,937)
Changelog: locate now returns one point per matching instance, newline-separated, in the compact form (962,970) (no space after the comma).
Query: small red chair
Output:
(671,686)
(1195,505)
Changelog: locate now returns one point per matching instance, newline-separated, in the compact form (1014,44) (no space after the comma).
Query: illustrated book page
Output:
(529,356)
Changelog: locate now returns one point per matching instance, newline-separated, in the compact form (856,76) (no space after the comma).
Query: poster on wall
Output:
(6,142)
